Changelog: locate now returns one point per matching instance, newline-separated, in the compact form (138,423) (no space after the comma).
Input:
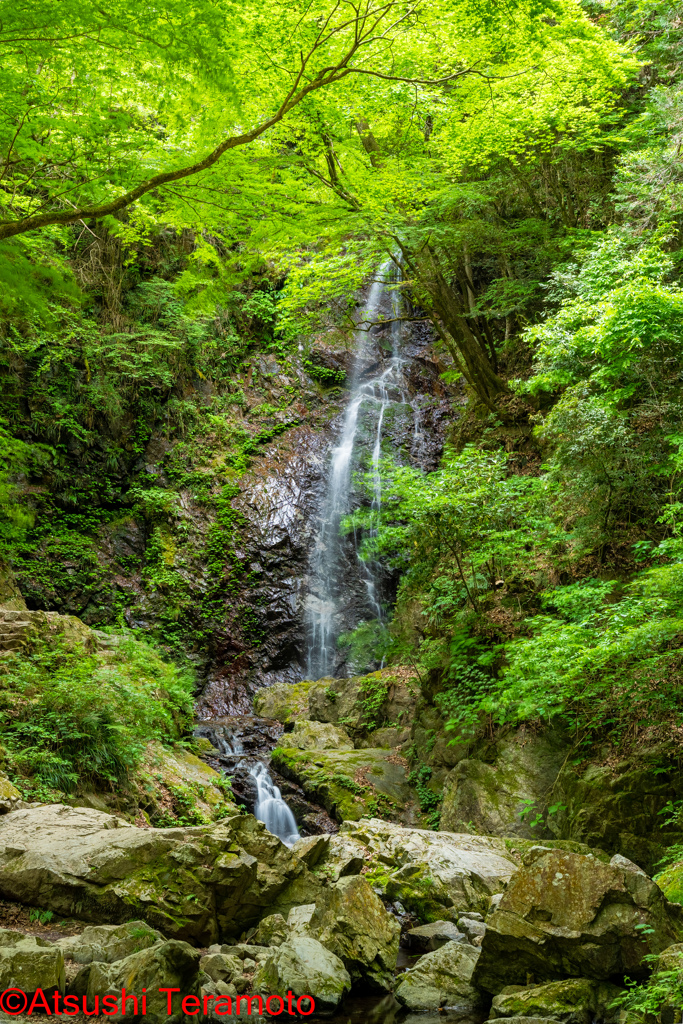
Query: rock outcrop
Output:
(571,1001)
(567,914)
(172,964)
(107,943)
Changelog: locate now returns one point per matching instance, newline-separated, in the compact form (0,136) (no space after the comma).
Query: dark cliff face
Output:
(281,499)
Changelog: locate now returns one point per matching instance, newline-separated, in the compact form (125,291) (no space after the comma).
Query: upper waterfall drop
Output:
(364,427)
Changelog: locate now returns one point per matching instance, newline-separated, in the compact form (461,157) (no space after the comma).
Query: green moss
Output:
(670,881)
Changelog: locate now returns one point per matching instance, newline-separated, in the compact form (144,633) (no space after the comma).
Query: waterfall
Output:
(366,409)
(271,809)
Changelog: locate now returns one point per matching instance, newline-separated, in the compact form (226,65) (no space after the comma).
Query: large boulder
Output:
(172,964)
(432,873)
(571,1001)
(195,883)
(442,978)
(571,914)
(308,735)
(109,942)
(29,963)
(351,921)
(350,783)
(304,966)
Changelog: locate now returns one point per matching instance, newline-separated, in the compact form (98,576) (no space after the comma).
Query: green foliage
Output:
(372,697)
(74,719)
(324,374)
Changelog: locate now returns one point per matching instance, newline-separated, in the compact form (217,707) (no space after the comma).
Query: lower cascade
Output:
(271,809)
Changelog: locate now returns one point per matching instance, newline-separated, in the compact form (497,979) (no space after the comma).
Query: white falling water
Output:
(368,403)
(271,809)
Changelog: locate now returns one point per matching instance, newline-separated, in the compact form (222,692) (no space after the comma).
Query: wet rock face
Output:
(282,501)
(239,742)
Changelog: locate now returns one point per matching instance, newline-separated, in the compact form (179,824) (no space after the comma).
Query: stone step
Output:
(12,615)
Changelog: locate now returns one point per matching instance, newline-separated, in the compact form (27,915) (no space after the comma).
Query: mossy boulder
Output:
(285,702)
(307,735)
(364,703)
(567,914)
(272,931)
(172,964)
(304,966)
(9,794)
(29,963)
(435,875)
(441,979)
(670,881)
(197,883)
(571,1001)
(351,921)
(618,807)
(181,780)
(109,942)
(350,784)
(504,797)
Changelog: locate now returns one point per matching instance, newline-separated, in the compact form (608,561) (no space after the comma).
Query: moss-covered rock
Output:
(285,702)
(350,784)
(351,921)
(670,881)
(170,965)
(9,794)
(272,931)
(572,1001)
(197,883)
(504,797)
(617,807)
(570,914)
(304,966)
(441,979)
(109,942)
(364,703)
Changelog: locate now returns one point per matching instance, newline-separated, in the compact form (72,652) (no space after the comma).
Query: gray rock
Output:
(311,848)
(351,921)
(169,965)
(29,963)
(317,736)
(428,937)
(441,979)
(221,966)
(305,967)
(272,931)
(343,856)
(109,942)
(430,872)
(571,914)
(299,918)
